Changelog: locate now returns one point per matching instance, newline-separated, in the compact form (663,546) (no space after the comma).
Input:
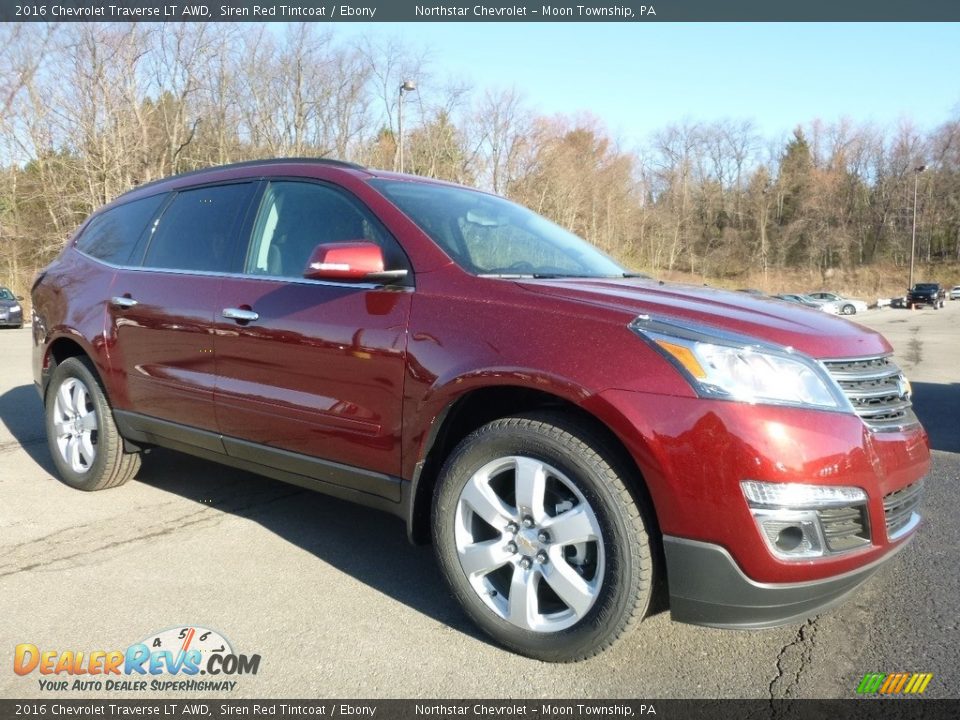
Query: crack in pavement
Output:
(797,655)
(26,560)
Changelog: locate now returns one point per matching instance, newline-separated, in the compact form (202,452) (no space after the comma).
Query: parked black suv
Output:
(926,294)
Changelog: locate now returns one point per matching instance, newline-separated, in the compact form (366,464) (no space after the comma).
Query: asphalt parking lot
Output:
(337,604)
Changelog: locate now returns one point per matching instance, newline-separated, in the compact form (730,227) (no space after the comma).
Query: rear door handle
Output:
(240,315)
(124,302)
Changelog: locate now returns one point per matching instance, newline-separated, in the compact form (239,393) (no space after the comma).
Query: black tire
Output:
(848,309)
(581,454)
(110,465)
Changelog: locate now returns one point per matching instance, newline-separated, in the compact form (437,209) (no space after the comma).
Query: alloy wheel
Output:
(75,423)
(529,544)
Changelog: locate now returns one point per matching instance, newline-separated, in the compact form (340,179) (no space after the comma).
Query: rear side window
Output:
(112,235)
(198,231)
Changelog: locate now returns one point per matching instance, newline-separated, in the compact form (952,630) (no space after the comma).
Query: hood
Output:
(9,303)
(808,330)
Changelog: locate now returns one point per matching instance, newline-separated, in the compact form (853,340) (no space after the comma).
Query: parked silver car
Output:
(848,306)
(955,292)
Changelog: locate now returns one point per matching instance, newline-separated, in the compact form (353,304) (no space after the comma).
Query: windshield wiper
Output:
(508,276)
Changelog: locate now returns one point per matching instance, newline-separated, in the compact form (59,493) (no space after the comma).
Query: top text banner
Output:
(489,11)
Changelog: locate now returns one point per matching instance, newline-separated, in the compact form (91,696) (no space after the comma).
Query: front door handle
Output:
(123,302)
(240,315)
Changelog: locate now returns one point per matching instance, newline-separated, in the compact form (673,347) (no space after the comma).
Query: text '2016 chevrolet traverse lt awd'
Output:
(567,434)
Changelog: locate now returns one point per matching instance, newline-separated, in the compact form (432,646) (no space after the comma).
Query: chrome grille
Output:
(844,528)
(900,510)
(876,389)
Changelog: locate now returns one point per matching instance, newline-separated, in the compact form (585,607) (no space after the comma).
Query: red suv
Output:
(569,435)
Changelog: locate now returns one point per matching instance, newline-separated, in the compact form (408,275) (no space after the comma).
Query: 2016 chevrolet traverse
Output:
(568,435)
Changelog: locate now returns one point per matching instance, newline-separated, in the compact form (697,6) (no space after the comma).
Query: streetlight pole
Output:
(405,86)
(913,240)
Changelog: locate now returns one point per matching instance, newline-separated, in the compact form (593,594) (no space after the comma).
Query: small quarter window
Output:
(112,235)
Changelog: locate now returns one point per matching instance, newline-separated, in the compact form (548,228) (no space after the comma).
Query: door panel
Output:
(162,314)
(312,367)
(320,372)
(163,345)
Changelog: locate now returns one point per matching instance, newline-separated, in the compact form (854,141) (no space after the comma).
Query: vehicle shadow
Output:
(21,413)
(938,407)
(369,545)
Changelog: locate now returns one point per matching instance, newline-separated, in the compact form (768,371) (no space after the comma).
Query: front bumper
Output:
(707,587)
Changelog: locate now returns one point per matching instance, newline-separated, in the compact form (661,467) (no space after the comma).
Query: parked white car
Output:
(955,292)
(848,306)
(811,302)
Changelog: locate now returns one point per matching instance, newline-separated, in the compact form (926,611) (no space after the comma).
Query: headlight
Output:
(728,367)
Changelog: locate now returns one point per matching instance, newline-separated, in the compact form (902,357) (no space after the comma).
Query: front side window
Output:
(112,235)
(487,235)
(198,231)
(295,217)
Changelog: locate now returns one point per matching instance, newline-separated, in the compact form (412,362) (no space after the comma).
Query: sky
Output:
(640,77)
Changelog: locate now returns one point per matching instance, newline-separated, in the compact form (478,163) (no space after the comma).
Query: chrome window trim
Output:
(245,276)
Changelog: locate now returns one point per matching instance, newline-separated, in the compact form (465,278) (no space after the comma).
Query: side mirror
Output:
(352,261)
(19,298)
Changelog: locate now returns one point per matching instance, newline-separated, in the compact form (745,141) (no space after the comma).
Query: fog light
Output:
(789,538)
(791,534)
(800,521)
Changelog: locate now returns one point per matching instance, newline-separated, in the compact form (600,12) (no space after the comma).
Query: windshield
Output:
(5,294)
(925,286)
(487,235)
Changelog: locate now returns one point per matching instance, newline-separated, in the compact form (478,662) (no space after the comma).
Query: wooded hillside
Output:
(88,111)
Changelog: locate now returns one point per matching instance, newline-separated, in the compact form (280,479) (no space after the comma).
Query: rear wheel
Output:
(83,438)
(540,539)
(848,309)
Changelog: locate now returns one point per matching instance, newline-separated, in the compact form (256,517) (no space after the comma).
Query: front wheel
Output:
(848,310)
(540,539)
(83,438)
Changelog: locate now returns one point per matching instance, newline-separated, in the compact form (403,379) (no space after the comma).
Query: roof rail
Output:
(249,163)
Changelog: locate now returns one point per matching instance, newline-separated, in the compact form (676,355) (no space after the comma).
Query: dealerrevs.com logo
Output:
(172,660)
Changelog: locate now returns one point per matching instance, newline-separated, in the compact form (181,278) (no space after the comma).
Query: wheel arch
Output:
(480,405)
(63,347)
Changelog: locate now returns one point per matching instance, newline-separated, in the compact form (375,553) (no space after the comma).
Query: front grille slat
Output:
(844,375)
(866,394)
(885,408)
(876,389)
(900,509)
